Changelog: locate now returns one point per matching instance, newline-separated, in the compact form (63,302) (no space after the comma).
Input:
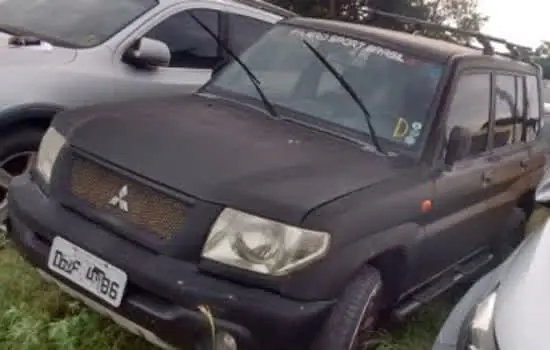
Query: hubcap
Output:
(14,165)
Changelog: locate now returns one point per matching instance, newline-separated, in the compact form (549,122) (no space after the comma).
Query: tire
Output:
(514,232)
(360,303)
(19,140)
(15,142)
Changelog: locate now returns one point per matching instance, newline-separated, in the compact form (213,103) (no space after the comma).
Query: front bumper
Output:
(163,294)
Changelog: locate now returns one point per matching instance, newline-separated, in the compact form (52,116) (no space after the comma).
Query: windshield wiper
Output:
(351,92)
(11,30)
(255,81)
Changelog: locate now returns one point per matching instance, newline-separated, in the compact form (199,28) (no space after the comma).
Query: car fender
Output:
(327,278)
(69,85)
(42,113)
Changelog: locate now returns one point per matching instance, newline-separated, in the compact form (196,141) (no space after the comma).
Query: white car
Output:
(508,309)
(104,51)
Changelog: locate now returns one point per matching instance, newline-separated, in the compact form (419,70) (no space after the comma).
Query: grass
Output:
(34,315)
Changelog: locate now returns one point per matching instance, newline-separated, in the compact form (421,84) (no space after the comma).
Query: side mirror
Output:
(148,53)
(459,145)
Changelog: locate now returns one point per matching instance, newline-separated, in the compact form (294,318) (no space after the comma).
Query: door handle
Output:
(487,177)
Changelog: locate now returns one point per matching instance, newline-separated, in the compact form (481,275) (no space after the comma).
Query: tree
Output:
(308,8)
(543,50)
(463,14)
(542,57)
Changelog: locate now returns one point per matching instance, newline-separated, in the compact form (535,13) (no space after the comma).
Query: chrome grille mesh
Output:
(145,207)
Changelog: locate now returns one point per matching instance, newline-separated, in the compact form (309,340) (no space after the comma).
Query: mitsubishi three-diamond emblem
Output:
(119,200)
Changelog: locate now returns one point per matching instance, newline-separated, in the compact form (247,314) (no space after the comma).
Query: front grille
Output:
(118,195)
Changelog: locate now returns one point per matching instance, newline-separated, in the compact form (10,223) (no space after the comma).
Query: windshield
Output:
(397,89)
(72,23)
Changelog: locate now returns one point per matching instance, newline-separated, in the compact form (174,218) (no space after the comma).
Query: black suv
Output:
(330,173)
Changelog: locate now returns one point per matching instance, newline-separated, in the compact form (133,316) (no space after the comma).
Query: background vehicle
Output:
(102,51)
(332,172)
(506,309)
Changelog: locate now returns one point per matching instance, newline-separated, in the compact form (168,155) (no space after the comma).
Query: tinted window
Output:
(508,120)
(520,85)
(533,107)
(80,23)
(244,31)
(470,109)
(397,88)
(190,45)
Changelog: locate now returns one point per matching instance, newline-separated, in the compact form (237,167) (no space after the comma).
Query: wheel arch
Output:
(381,250)
(392,256)
(526,201)
(35,115)
(392,265)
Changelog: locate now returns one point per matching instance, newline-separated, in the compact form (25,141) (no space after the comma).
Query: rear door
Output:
(511,136)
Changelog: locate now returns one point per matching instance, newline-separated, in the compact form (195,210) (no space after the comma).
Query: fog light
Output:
(225,341)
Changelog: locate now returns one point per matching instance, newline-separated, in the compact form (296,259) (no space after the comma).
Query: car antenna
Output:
(352,93)
(255,81)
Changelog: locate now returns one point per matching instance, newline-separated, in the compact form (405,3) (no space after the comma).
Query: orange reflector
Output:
(426,205)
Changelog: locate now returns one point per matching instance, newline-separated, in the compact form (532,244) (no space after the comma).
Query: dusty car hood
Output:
(522,311)
(34,55)
(226,153)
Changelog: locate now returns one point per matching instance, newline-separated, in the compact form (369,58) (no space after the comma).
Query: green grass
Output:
(34,315)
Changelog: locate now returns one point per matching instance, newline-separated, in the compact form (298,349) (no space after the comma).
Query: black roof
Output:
(436,49)
(269,7)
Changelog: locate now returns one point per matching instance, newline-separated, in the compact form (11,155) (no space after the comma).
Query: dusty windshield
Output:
(396,89)
(75,23)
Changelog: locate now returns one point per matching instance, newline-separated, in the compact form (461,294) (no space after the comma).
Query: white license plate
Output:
(88,271)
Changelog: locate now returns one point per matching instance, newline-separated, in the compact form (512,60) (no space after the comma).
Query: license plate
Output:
(93,274)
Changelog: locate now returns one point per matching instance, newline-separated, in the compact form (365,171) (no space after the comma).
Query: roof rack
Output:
(267,6)
(515,51)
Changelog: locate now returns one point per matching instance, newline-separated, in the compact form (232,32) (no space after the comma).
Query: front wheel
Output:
(352,320)
(17,155)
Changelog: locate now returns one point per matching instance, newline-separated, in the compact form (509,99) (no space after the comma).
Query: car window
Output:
(80,24)
(508,106)
(397,88)
(190,45)
(533,107)
(520,90)
(244,31)
(470,107)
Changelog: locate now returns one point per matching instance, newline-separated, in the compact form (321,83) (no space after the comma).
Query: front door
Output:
(465,191)
(193,54)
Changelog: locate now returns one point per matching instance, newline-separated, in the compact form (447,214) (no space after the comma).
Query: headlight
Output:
(51,145)
(481,334)
(261,245)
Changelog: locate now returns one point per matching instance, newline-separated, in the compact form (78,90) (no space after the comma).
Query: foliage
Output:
(543,50)
(463,14)
(35,315)
(542,57)
(457,13)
